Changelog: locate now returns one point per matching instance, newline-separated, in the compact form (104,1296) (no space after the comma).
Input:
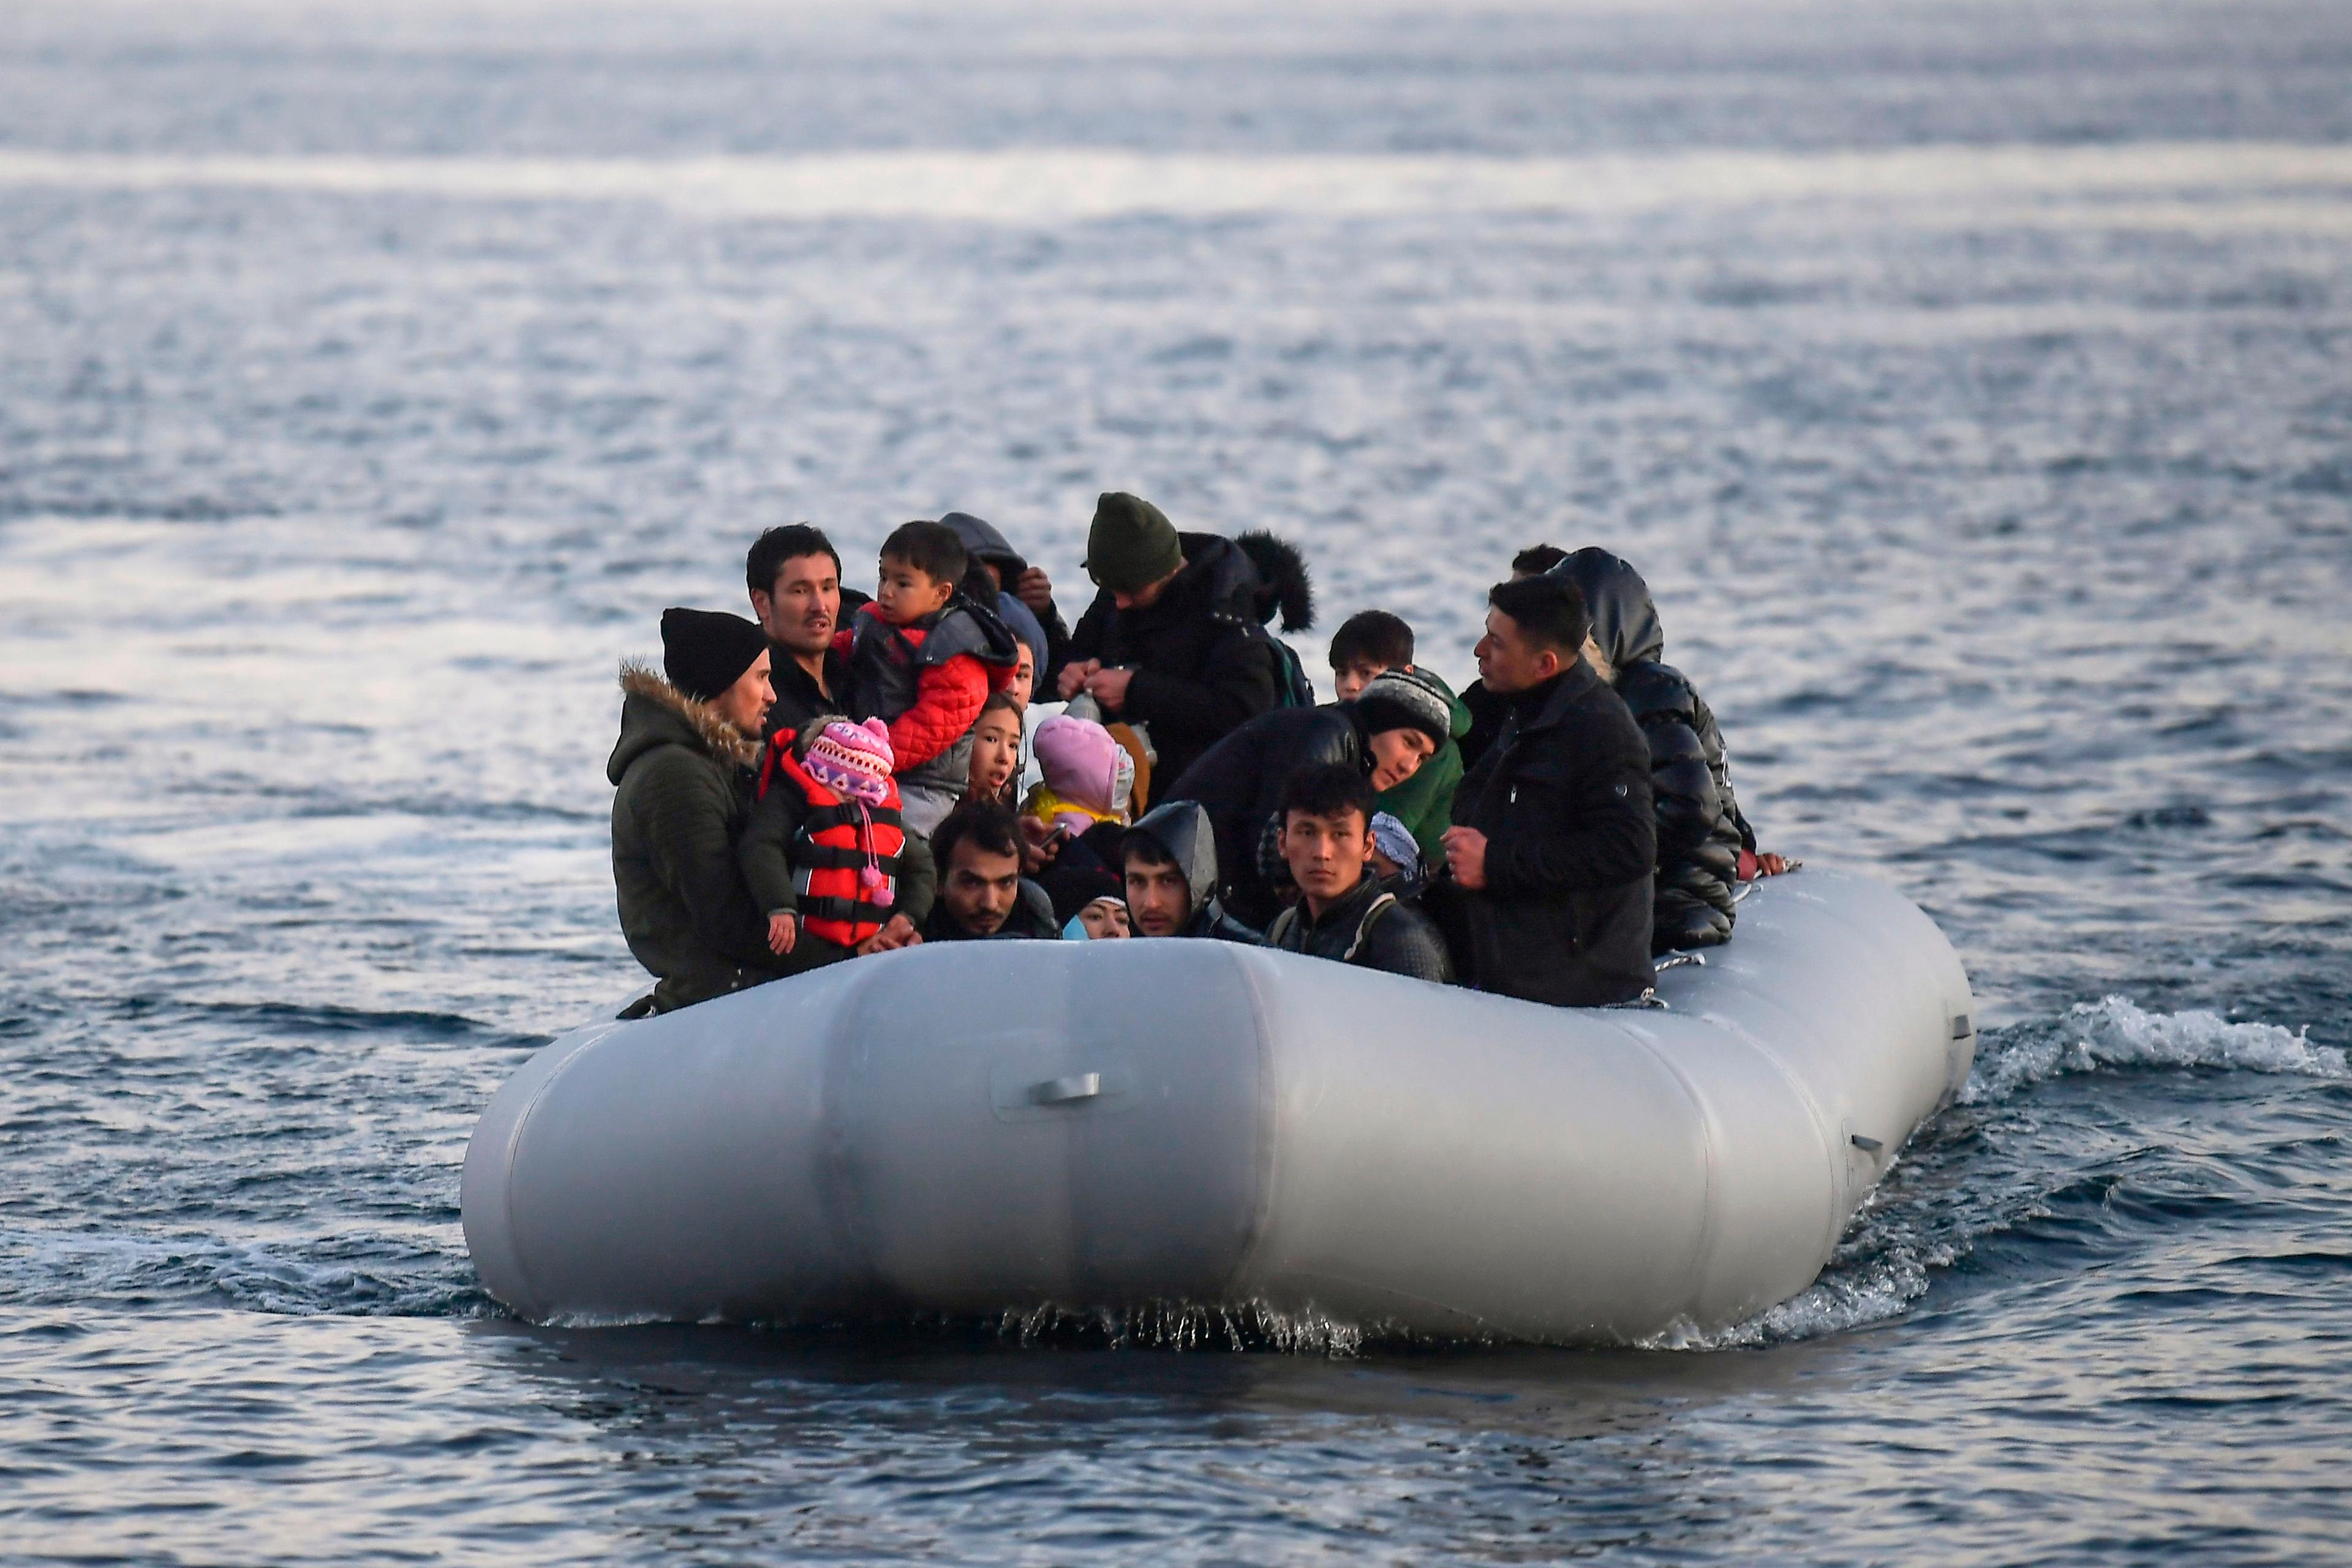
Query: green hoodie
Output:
(1424,803)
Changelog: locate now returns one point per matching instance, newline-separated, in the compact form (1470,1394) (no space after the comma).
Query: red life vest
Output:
(839,841)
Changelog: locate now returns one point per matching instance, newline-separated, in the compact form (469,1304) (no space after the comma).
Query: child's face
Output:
(1382,866)
(995,752)
(1024,684)
(1348,679)
(906,594)
(1102,919)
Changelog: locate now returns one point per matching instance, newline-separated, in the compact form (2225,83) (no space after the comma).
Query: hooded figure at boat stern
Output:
(1700,829)
(1547,890)
(682,772)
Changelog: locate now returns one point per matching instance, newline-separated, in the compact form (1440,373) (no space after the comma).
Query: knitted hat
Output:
(704,652)
(1131,544)
(1406,699)
(1082,762)
(852,759)
(1392,838)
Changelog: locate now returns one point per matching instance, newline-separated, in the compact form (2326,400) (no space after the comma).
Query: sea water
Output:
(1969,381)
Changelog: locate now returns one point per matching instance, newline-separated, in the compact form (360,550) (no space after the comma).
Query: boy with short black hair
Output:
(1344,913)
(923,659)
(1367,643)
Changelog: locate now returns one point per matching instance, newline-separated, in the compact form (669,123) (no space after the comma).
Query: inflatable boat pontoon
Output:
(987,1128)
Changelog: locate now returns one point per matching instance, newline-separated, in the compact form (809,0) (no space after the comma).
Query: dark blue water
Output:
(1969,381)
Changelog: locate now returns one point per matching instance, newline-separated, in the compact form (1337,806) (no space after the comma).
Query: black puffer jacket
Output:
(1203,664)
(1563,797)
(1372,928)
(1239,781)
(683,789)
(1700,830)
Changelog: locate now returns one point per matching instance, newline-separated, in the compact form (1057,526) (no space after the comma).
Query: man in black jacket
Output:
(794,576)
(1551,852)
(1172,641)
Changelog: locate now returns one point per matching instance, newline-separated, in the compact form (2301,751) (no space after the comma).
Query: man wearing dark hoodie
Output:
(1392,726)
(1172,641)
(1170,864)
(1700,829)
(682,772)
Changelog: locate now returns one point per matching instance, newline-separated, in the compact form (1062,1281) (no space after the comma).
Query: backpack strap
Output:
(1381,906)
(1282,925)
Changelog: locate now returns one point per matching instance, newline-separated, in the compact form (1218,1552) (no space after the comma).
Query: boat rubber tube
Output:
(985,1128)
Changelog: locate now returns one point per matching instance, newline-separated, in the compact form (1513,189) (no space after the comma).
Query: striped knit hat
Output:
(852,759)
(1406,699)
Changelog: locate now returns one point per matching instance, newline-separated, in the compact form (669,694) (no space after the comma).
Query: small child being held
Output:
(825,854)
(923,659)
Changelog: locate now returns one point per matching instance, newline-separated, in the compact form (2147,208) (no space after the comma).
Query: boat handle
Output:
(1867,1145)
(1063,1090)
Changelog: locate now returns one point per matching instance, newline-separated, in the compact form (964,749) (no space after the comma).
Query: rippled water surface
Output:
(1969,380)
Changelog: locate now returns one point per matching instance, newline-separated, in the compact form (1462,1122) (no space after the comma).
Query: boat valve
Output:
(1063,1090)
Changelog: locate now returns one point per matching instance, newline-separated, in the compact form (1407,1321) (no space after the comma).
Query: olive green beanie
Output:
(1131,544)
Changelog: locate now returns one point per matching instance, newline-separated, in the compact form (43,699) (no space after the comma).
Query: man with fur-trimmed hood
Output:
(682,772)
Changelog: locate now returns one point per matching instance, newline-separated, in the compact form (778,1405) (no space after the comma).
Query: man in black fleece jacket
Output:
(1549,860)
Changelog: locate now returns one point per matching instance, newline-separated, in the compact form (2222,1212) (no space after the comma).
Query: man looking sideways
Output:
(1343,913)
(1551,852)
(794,576)
(683,783)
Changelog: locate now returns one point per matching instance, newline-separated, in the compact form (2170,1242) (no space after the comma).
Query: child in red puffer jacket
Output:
(923,659)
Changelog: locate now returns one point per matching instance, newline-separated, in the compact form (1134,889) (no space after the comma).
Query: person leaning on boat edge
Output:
(683,781)
(1548,896)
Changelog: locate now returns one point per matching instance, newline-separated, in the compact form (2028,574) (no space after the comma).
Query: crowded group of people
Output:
(947,759)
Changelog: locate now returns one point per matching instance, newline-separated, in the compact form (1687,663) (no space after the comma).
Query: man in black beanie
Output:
(683,778)
(1173,640)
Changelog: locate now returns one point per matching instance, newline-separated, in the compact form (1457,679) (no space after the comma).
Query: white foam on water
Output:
(2116,1034)
(1072,184)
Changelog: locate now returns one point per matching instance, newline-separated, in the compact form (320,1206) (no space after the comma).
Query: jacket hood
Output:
(1624,621)
(1181,828)
(1218,577)
(1284,584)
(983,542)
(656,713)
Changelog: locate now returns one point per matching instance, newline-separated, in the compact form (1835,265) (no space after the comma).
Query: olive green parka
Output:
(683,785)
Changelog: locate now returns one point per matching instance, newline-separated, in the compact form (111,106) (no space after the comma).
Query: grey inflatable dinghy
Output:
(992,1127)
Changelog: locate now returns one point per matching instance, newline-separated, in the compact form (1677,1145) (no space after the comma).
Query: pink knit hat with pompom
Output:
(852,759)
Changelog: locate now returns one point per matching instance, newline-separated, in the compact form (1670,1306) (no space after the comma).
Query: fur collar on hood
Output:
(644,685)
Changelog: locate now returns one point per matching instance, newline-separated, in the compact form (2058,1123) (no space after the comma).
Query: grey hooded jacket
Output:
(1182,830)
